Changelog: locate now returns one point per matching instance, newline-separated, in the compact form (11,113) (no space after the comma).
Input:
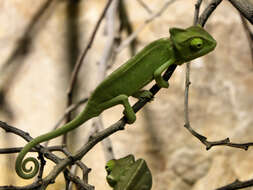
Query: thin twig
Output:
(111,27)
(187,78)
(145,6)
(83,55)
(249,35)
(153,16)
(245,7)
(70,109)
(81,165)
(18,149)
(39,183)
(196,13)
(203,139)
(237,184)
(80,62)
(208,11)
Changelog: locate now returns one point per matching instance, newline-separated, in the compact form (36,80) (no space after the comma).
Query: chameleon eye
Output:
(196,44)
(109,166)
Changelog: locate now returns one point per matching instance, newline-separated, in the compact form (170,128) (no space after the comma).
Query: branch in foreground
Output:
(237,184)
(153,16)
(18,149)
(210,144)
(208,11)
(39,183)
(249,35)
(83,55)
(245,7)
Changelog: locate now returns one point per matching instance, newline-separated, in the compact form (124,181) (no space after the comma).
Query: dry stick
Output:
(67,111)
(187,84)
(102,67)
(245,7)
(83,167)
(153,16)
(237,184)
(205,15)
(79,63)
(18,149)
(249,35)
(45,152)
(83,55)
(208,11)
(144,5)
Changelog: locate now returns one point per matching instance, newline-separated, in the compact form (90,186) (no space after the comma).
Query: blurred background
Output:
(41,41)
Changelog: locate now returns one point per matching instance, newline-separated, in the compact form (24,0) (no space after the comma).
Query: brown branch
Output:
(83,55)
(18,149)
(249,35)
(82,166)
(145,6)
(80,62)
(40,184)
(209,144)
(153,16)
(245,7)
(70,109)
(237,184)
(208,11)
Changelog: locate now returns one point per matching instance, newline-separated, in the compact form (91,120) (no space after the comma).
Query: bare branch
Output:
(153,16)
(39,184)
(68,111)
(18,149)
(208,11)
(249,35)
(245,7)
(83,55)
(144,5)
(196,13)
(237,185)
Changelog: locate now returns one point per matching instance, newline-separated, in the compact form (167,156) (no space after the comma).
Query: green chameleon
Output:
(183,45)
(127,174)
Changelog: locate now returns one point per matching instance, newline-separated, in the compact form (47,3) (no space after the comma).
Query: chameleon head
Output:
(191,43)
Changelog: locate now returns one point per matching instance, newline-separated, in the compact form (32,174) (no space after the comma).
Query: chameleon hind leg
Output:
(121,99)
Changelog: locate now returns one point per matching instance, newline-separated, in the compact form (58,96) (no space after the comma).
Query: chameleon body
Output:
(128,80)
(128,174)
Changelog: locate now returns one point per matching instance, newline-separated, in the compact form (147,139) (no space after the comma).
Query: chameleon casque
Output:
(128,80)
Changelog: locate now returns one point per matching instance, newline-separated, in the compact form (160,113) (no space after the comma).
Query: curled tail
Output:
(21,163)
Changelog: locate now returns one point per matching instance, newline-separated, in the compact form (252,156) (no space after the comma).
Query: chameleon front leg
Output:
(158,74)
(121,99)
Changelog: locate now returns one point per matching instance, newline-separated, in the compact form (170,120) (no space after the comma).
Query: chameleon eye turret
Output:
(196,44)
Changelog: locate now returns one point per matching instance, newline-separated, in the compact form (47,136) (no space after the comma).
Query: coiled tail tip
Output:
(23,171)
